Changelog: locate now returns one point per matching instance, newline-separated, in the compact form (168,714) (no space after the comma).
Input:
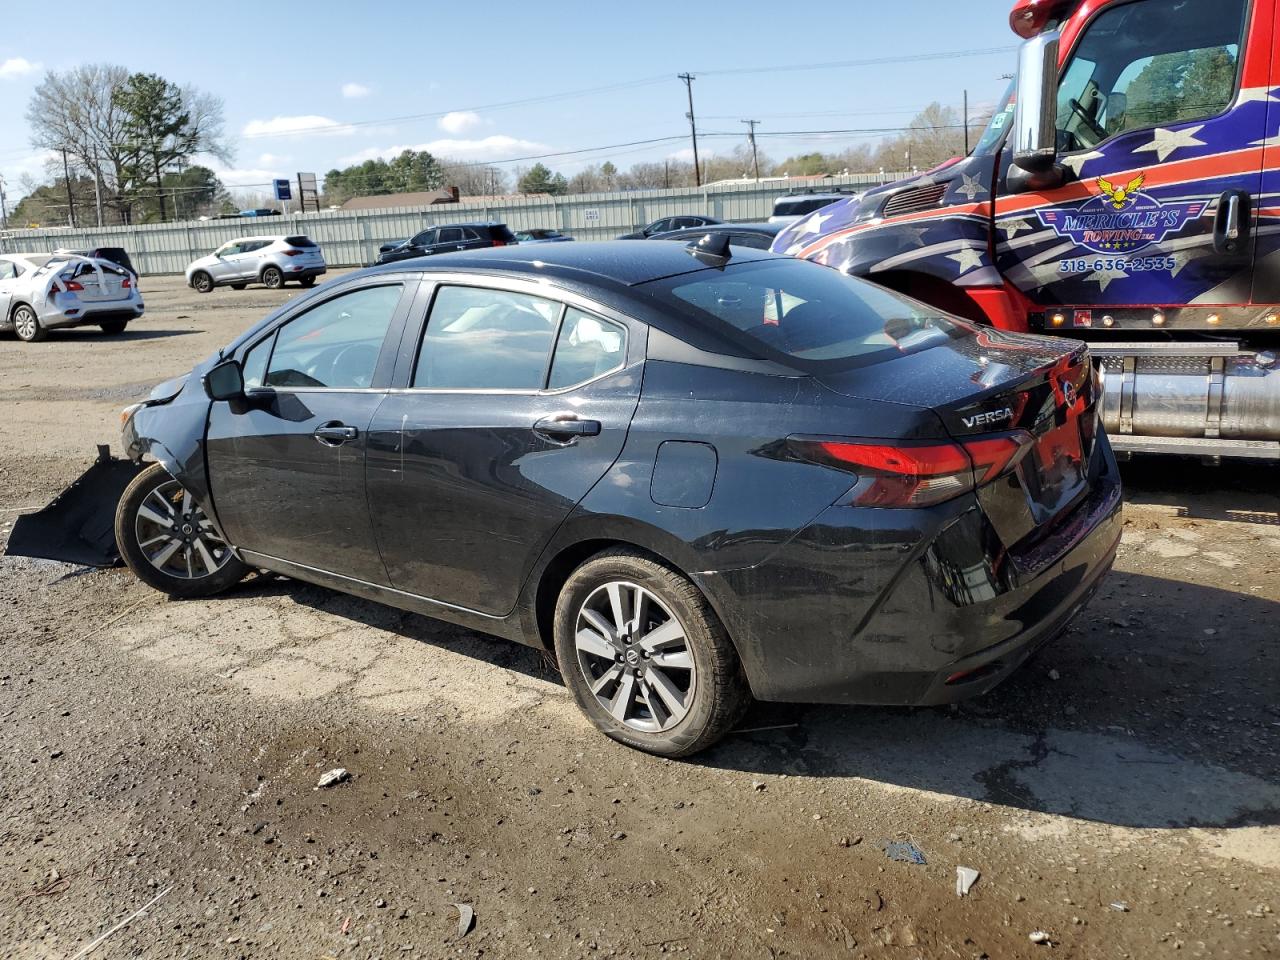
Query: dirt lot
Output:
(1120,794)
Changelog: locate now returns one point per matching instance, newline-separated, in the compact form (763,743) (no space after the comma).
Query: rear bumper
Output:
(302,272)
(910,607)
(88,314)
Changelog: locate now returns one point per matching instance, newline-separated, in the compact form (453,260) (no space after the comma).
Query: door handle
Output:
(1231,224)
(565,431)
(335,434)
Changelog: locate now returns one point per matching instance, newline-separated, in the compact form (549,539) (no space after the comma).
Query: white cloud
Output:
(354,91)
(460,121)
(274,160)
(248,177)
(686,155)
(32,165)
(295,126)
(17,67)
(496,147)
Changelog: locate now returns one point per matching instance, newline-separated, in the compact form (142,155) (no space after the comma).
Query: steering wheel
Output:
(1098,133)
(353,366)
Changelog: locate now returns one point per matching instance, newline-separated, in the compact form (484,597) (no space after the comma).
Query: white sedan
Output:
(40,292)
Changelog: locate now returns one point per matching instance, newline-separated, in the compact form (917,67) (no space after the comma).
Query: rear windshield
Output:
(299,241)
(792,208)
(499,231)
(805,315)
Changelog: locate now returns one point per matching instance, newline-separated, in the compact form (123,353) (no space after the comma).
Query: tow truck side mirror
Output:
(1034,140)
(224,381)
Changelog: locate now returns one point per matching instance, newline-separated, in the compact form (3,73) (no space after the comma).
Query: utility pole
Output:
(71,204)
(4,211)
(97,187)
(751,135)
(688,79)
(966,123)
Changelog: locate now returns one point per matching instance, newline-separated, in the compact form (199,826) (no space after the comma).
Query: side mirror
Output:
(224,381)
(1034,141)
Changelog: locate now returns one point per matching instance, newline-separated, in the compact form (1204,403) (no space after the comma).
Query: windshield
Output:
(801,206)
(997,125)
(804,314)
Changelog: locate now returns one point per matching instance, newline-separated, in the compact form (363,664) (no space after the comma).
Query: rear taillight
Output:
(499,243)
(125,284)
(915,475)
(72,286)
(292,253)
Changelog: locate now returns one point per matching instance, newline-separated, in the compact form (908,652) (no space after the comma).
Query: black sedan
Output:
(458,236)
(700,474)
(667,224)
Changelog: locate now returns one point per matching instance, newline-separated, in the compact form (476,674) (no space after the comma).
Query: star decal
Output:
(972,187)
(1267,141)
(1164,142)
(968,258)
(813,224)
(914,236)
(1077,162)
(1256,94)
(1103,278)
(1013,226)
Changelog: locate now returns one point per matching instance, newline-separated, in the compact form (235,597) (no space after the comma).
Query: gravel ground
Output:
(1119,795)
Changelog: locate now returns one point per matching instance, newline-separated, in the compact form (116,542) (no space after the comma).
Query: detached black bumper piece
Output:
(79,525)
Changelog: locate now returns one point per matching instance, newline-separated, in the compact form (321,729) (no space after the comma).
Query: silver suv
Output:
(271,261)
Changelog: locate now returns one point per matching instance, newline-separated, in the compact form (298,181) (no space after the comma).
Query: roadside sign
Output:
(283,191)
(591,215)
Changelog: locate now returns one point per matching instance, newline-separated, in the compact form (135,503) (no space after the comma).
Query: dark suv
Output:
(455,236)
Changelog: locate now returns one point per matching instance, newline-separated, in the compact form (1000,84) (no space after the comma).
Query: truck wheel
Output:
(645,656)
(168,542)
(273,278)
(114,327)
(27,325)
(202,282)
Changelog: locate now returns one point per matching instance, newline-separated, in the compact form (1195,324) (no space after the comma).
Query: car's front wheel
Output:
(645,656)
(273,278)
(202,282)
(168,542)
(27,325)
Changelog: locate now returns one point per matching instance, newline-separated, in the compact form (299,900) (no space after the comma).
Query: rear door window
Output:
(450,235)
(7,271)
(587,347)
(483,339)
(336,343)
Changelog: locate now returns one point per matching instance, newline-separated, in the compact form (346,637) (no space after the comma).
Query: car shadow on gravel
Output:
(1166,719)
(1241,491)
(93,333)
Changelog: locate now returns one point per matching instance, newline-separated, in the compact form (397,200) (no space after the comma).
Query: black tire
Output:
(272,278)
(154,488)
(202,282)
(717,689)
(238,286)
(114,327)
(27,325)
(307,282)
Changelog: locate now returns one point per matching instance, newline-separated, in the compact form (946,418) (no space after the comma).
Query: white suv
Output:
(271,261)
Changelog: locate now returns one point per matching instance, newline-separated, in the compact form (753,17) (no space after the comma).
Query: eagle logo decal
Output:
(1121,197)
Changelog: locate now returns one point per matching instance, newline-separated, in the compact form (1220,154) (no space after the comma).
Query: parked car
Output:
(40,292)
(759,236)
(793,206)
(667,224)
(271,261)
(117,255)
(699,473)
(455,236)
(541,236)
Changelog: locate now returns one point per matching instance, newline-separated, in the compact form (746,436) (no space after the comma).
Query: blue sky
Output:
(295,79)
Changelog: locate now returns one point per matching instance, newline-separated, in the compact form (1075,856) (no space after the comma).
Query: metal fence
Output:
(352,238)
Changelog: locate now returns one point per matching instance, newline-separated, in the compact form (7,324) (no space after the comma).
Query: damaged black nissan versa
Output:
(700,474)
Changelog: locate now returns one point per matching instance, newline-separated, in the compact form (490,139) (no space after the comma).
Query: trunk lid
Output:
(994,382)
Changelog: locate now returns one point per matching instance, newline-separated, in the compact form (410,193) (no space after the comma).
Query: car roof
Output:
(620,261)
(272,236)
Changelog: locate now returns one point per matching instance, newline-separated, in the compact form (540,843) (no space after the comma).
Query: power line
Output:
(869,62)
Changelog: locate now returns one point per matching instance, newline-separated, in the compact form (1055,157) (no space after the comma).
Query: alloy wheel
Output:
(25,323)
(635,656)
(175,535)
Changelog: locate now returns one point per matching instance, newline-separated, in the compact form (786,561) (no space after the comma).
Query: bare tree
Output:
(473,179)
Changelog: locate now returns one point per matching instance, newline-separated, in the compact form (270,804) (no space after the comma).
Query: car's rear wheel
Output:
(238,286)
(307,282)
(113,327)
(168,542)
(202,282)
(645,656)
(27,325)
(273,278)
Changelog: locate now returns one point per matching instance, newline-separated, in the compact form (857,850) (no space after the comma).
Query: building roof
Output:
(385,201)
